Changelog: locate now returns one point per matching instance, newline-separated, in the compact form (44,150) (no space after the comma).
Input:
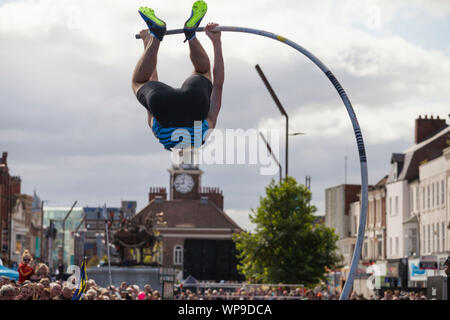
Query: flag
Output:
(79,293)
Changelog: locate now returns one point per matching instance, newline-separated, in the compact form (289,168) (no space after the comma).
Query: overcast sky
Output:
(73,129)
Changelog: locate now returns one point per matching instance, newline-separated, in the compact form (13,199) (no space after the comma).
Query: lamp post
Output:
(280,107)
(42,230)
(64,230)
(271,153)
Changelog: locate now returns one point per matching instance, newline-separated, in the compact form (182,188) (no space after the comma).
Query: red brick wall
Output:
(157,191)
(425,127)
(214,194)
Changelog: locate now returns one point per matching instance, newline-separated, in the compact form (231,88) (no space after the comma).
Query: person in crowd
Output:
(387,295)
(41,272)
(46,294)
(25,267)
(7,292)
(91,294)
(67,293)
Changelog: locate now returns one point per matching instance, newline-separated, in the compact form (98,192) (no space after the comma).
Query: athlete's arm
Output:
(218,75)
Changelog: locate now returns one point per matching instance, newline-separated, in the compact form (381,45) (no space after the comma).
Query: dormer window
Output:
(395,170)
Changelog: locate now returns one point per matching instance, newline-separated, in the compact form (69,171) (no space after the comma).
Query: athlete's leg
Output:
(198,55)
(199,58)
(145,69)
(146,38)
(146,66)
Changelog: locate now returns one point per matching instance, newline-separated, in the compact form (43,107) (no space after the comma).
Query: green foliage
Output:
(286,247)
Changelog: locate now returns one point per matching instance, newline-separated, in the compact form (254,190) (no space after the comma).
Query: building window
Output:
(428,197)
(423,197)
(20,243)
(395,170)
(355,225)
(380,249)
(438,238)
(411,199)
(417,199)
(442,192)
(443,236)
(432,195)
(429,238)
(423,239)
(396,245)
(396,204)
(379,212)
(178,255)
(159,255)
(390,246)
(365,250)
(390,205)
(437,194)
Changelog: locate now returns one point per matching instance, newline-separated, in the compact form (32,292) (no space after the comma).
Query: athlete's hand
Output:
(213,35)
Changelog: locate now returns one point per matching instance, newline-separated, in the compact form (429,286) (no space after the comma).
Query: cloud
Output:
(74,129)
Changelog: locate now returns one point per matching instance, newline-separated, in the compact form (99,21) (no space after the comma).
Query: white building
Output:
(397,203)
(434,209)
(405,195)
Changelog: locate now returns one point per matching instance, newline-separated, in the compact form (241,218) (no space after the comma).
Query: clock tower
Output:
(185,181)
(197,237)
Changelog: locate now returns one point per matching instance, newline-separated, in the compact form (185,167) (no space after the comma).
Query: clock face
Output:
(183,183)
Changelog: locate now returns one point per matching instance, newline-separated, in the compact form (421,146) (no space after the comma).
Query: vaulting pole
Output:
(356,129)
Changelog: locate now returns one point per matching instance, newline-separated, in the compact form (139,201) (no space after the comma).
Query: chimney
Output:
(4,156)
(427,127)
(15,183)
(157,192)
(212,194)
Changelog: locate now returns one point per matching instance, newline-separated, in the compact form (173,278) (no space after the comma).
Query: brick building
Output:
(9,188)
(197,239)
(25,228)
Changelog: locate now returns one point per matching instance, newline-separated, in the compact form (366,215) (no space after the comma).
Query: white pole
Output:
(356,129)
(107,244)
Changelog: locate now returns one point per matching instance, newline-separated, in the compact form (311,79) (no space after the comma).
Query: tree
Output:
(286,246)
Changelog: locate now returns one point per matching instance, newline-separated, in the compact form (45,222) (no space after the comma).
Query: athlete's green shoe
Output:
(156,26)
(199,9)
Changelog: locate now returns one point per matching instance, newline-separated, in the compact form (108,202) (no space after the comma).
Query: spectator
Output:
(310,295)
(25,270)
(91,294)
(7,292)
(387,295)
(41,272)
(45,282)
(46,294)
(56,291)
(67,293)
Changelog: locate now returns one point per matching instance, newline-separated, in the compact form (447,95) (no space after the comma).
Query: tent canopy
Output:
(11,274)
(190,281)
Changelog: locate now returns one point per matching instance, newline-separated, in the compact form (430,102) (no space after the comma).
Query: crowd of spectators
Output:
(280,293)
(35,283)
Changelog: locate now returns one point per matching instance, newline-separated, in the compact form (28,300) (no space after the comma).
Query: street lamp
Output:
(280,107)
(271,153)
(42,230)
(297,133)
(64,230)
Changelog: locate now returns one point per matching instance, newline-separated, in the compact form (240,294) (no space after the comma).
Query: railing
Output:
(236,291)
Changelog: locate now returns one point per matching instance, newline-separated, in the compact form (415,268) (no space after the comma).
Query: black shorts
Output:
(173,107)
